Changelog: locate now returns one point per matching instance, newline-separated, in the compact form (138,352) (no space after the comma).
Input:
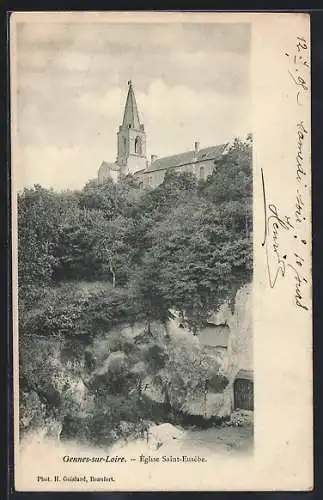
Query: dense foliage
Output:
(110,254)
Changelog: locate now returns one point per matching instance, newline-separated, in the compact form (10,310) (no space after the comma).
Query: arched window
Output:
(124,144)
(138,145)
(202,173)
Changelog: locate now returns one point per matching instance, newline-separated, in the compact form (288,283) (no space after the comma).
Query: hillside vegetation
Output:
(99,270)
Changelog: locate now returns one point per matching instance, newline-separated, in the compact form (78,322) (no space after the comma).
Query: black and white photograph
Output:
(134,180)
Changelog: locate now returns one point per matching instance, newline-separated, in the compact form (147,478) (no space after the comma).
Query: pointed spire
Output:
(131,116)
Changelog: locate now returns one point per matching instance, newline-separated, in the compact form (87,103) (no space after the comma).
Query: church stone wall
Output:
(108,172)
(135,163)
(154,178)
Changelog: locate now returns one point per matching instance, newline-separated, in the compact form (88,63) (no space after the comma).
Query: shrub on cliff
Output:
(78,309)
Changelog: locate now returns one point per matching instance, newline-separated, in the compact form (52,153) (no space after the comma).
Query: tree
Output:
(230,187)
(175,189)
(41,215)
(100,196)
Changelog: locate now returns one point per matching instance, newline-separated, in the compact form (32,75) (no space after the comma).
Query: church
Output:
(132,153)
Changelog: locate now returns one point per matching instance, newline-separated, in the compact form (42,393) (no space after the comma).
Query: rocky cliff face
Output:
(165,366)
(240,345)
(239,354)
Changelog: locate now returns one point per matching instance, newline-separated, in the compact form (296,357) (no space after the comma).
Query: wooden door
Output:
(243,394)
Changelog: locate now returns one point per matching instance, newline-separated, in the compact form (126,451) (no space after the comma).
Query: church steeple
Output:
(131,116)
(131,137)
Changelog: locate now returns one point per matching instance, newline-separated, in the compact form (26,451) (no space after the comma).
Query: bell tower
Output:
(131,137)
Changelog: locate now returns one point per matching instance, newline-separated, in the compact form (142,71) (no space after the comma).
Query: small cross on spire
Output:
(129,83)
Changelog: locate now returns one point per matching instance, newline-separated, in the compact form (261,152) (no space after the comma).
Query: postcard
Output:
(161,249)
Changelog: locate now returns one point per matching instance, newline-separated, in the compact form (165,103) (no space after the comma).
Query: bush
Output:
(240,418)
(77,310)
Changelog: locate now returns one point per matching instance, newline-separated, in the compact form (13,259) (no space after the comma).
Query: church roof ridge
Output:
(179,159)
